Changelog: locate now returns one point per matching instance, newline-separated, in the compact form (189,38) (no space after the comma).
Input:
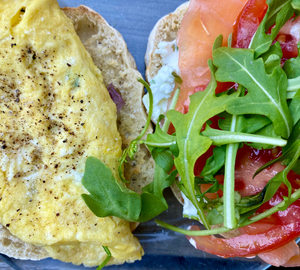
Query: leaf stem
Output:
(192,233)
(229,204)
(293,84)
(244,137)
(107,258)
(167,122)
(150,108)
(159,145)
(294,197)
(132,148)
(291,94)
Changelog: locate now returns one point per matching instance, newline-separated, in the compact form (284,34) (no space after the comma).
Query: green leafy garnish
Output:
(132,148)
(261,41)
(203,106)
(108,197)
(222,137)
(266,93)
(160,139)
(272,58)
(215,162)
(107,258)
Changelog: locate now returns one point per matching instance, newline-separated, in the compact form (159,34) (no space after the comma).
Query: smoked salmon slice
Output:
(203,22)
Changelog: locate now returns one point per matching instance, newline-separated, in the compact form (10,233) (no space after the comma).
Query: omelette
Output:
(55,112)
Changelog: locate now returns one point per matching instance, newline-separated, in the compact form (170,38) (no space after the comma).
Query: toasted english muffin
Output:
(109,53)
(164,30)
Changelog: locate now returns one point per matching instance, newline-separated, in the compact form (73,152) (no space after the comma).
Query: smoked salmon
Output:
(203,22)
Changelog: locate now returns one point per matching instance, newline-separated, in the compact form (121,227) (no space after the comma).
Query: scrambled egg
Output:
(55,112)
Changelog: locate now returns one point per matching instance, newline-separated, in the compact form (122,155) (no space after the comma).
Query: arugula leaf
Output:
(215,162)
(292,154)
(251,123)
(224,122)
(174,149)
(159,139)
(292,67)
(251,202)
(295,135)
(278,10)
(163,158)
(108,197)
(296,4)
(215,217)
(272,58)
(266,131)
(208,179)
(218,42)
(266,93)
(157,187)
(287,155)
(296,167)
(294,107)
(203,106)
(245,123)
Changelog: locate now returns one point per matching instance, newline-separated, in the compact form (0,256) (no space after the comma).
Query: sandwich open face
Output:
(55,112)
(245,186)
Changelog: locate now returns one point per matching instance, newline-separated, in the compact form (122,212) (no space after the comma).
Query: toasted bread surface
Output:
(165,30)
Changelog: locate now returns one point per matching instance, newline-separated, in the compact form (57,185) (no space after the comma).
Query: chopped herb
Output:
(107,258)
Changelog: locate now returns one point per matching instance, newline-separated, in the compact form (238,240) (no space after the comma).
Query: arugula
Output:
(215,217)
(291,67)
(251,123)
(296,5)
(279,12)
(292,155)
(215,162)
(212,166)
(272,58)
(266,131)
(159,139)
(132,148)
(203,106)
(215,186)
(294,106)
(266,93)
(108,197)
(294,137)
(221,137)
